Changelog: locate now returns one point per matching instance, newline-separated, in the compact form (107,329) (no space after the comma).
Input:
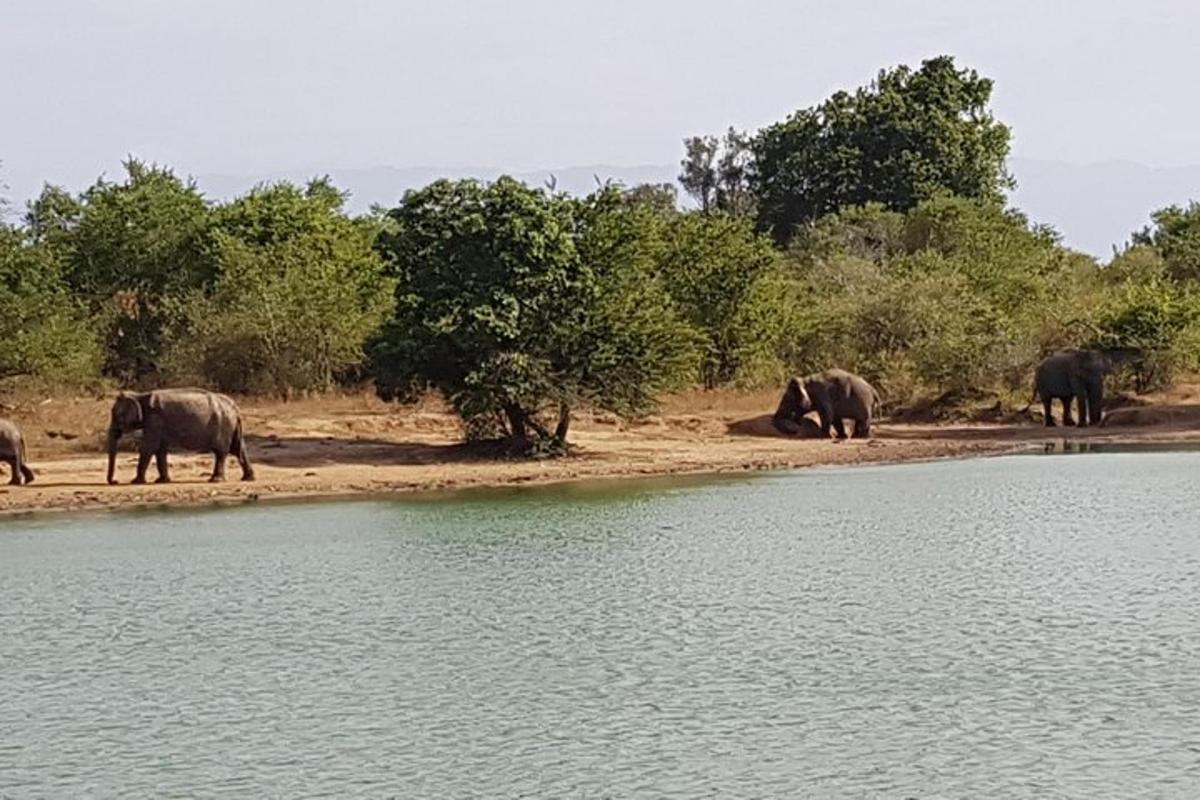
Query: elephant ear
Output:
(128,409)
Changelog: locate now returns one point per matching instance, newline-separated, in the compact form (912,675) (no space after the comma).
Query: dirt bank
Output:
(356,445)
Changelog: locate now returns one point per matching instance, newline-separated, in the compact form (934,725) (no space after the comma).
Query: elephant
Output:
(191,419)
(1075,375)
(12,451)
(835,395)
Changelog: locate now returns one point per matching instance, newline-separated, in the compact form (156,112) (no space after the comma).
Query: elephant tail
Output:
(1032,399)
(236,446)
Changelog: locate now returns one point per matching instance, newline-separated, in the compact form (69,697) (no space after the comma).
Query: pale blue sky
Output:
(250,87)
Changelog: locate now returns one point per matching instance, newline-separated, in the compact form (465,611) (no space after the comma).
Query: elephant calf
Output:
(189,419)
(835,395)
(12,451)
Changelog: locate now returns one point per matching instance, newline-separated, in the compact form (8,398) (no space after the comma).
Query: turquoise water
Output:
(1006,627)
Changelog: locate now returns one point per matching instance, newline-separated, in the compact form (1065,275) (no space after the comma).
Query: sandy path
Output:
(354,446)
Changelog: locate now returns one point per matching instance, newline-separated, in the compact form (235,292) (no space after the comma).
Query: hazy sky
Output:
(255,86)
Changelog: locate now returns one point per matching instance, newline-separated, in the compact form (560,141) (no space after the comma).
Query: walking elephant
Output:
(12,452)
(187,419)
(1075,375)
(835,395)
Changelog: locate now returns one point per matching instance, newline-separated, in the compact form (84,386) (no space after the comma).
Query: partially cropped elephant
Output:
(1075,376)
(187,419)
(835,395)
(12,452)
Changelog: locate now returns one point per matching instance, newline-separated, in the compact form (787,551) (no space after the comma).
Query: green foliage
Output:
(45,331)
(299,290)
(129,250)
(910,135)
(951,299)
(712,265)
(1176,237)
(661,198)
(515,303)
(1161,322)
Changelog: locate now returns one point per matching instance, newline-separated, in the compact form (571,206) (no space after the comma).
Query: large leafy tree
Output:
(519,305)
(299,288)
(129,250)
(908,136)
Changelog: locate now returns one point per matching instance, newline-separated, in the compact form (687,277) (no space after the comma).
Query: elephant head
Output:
(127,415)
(792,407)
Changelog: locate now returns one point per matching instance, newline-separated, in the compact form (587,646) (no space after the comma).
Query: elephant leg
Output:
(826,420)
(840,426)
(143,464)
(160,461)
(218,473)
(1048,412)
(1067,418)
(1082,407)
(1096,405)
(27,472)
(16,471)
(862,429)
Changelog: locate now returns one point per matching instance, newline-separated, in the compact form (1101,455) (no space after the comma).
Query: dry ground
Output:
(355,444)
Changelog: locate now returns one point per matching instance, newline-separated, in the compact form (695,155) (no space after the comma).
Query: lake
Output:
(1023,626)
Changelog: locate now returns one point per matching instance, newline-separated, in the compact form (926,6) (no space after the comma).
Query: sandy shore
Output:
(356,445)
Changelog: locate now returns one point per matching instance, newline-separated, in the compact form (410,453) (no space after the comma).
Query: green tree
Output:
(130,250)
(712,265)
(516,305)
(299,290)
(716,172)
(908,136)
(1176,236)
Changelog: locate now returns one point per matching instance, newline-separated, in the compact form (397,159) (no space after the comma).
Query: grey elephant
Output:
(187,419)
(1075,376)
(835,395)
(12,451)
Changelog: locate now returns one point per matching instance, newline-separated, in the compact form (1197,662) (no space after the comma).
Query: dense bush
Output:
(45,330)
(713,266)
(953,298)
(299,289)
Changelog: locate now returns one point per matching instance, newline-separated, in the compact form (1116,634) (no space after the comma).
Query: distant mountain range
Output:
(1094,206)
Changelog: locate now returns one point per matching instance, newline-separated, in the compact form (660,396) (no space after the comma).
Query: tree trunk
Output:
(564,423)
(517,425)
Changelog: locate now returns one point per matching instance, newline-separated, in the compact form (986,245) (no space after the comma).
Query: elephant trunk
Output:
(114,436)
